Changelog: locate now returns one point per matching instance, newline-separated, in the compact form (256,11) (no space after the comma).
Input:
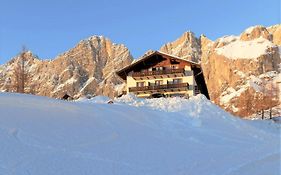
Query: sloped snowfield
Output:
(42,136)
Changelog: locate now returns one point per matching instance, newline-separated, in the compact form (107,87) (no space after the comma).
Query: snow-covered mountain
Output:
(237,69)
(175,136)
(88,68)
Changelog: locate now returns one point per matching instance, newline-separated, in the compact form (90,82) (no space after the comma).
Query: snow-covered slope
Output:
(42,136)
(246,49)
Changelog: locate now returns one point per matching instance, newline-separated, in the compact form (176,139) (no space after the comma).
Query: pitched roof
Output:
(123,72)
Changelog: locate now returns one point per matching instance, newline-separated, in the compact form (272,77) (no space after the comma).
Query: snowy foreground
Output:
(42,136)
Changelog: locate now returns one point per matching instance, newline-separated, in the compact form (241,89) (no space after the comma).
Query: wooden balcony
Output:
(160,88)
(158,74)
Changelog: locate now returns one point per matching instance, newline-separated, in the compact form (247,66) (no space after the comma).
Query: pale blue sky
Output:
(50,27)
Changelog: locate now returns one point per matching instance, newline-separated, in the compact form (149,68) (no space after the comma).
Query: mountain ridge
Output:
(89,67)
(93,58)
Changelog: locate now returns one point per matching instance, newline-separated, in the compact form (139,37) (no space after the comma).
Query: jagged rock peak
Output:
(275,30)
(88,68)
(205,42)
(28,56)
(187,46)
(101,38)
(187,37)
(255,32)
(202,36)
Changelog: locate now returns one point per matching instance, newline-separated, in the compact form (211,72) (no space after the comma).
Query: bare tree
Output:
(20,72)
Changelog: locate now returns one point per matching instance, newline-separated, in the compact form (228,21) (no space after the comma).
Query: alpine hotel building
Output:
(159,74)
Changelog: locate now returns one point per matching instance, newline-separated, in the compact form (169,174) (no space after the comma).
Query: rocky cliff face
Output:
(87,69)
(187,46)
(237,69)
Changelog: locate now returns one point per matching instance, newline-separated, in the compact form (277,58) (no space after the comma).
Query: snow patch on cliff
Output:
(245,49)
(231,93)
(226,40)
(72,80)
(254,82)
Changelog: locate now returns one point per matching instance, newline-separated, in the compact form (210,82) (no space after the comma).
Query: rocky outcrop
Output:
(276,33)
(236,68)
(255,32)
(231,82)
(205,45)
(187,46)
(87,69)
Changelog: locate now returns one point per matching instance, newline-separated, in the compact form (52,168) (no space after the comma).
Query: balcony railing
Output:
(158,72)
(159,87)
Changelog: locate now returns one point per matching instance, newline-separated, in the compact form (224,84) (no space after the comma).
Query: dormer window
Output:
(173,61)
(174,66)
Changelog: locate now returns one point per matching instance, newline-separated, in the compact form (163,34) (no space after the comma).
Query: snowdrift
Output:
(42,136)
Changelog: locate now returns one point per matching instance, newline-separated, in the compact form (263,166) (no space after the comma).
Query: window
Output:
(140,84)
(158,82)
(159,68)
(188,73)
(173,61)
(177,81)
(174,66)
